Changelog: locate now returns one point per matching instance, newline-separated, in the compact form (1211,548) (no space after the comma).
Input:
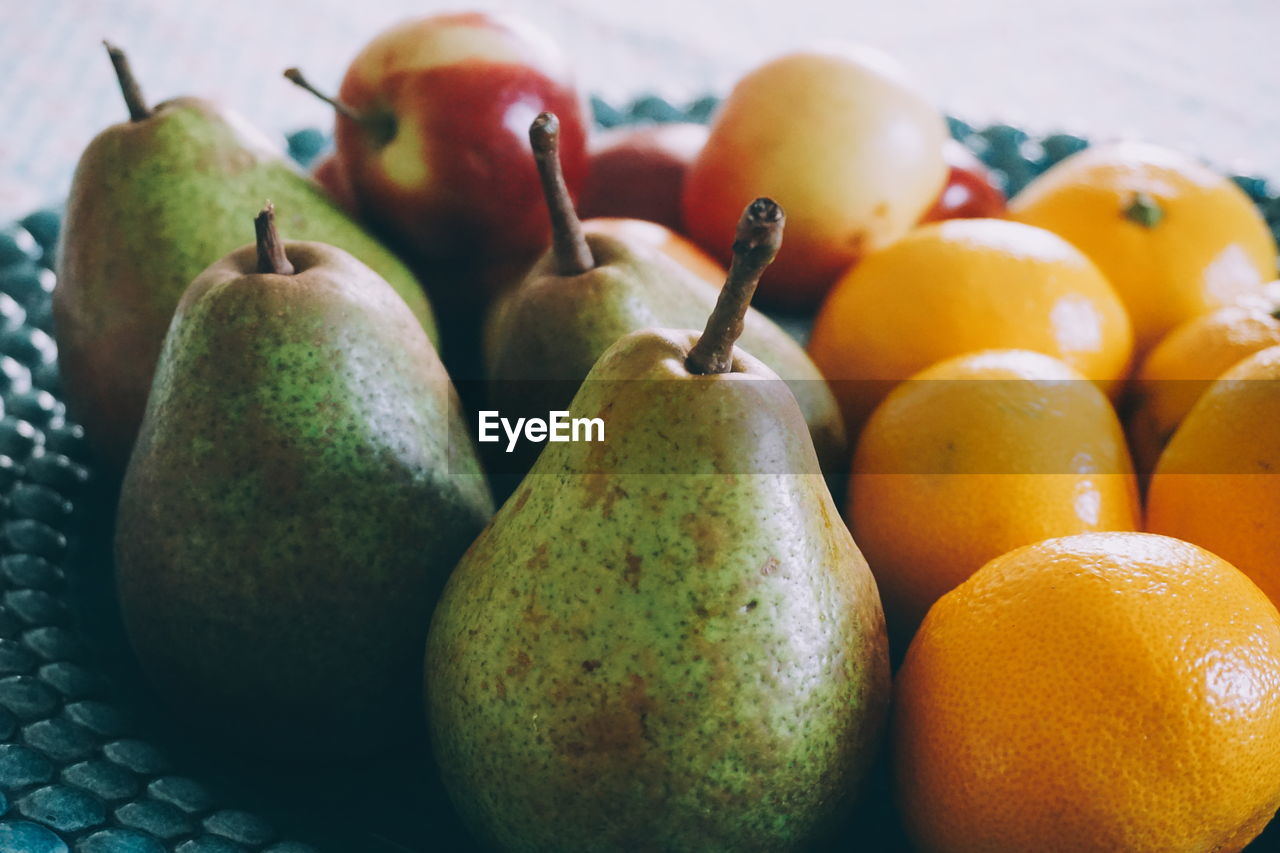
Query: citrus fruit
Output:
(974,456)
(1218,482)
(1098,692)
(959,286)
(1179,369)
(1175,238)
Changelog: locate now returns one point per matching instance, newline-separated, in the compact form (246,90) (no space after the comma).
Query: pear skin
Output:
(667,640)
(542,337)
(675,653)
(301,487)
(553,327)
(155,201)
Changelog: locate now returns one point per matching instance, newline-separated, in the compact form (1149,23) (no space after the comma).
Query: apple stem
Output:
(380,125)
(754,247)
(138,109)
(271,256)
(568,241)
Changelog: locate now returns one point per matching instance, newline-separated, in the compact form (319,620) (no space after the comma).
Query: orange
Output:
(1180,368)
(1175,239)
(963,285)
(1218,482)
(1099,692)
(974,456)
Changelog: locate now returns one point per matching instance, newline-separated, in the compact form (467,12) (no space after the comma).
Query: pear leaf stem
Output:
(380,125)
(271,256)
(756,243)
(568,242)
(138,109)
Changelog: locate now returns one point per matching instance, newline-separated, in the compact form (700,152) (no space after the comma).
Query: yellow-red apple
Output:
(970,192)
(848,147)
(432,132)
(638,172)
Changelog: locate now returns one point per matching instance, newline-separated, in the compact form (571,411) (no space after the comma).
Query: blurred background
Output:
(1193,75)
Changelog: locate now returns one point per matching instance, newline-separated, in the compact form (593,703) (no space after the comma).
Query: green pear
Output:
(301,487)
(667,640)
(542,337)
(154,201)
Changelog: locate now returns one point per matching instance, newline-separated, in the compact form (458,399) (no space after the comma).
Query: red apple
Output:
(330,175)
(969,192)
(432,130)
(638,172)
(843,140)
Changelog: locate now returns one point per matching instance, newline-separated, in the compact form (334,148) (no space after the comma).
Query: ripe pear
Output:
(589,290)
(301,487)
(155,201)
(1217,484)
(666,640)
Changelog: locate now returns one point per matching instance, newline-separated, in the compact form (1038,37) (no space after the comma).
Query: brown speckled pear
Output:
(589,290)
(155,200)
(667,640)
(298,495)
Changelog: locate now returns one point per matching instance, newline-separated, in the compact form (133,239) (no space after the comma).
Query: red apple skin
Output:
(969,193)
(843,140)
(330,175)
(638,172)
(457,180)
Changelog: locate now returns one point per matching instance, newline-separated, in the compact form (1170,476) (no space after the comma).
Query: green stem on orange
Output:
(1144,210)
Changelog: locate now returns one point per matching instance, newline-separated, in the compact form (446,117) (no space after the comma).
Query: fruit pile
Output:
(668,637)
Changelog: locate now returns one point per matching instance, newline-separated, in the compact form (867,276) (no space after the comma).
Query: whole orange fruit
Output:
(974,456)
(1218,482)
(1179,369)
(1099,692)
(953,287)
(1175,238)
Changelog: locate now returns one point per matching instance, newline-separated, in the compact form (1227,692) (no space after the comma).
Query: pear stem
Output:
(754,247)
(138,109)
(568,241)
(271,256)
(380,125)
